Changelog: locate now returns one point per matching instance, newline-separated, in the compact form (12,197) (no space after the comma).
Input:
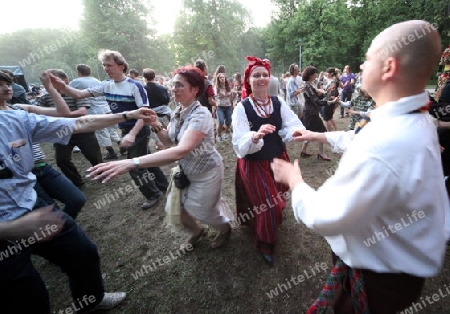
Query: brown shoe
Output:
(221,239)
(193,239)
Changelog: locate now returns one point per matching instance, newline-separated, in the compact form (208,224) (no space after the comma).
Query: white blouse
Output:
(242,135)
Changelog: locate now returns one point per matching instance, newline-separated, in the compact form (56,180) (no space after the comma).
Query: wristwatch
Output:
(136,162)
(124,115)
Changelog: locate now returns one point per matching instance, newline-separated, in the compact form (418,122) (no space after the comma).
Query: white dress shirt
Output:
(384,208)
(242,135)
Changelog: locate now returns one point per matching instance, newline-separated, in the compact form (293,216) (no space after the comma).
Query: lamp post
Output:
(300,54)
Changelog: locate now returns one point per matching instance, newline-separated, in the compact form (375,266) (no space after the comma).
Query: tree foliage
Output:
(211,28)
(333,33)
(338,32)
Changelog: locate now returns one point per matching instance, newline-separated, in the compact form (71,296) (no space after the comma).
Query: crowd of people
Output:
(371,189)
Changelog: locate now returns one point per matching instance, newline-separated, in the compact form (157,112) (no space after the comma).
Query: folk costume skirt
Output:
(260,200)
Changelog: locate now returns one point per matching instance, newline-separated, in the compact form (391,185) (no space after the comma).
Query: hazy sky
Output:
(20,14)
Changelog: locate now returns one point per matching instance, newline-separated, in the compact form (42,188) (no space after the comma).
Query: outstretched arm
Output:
(61,109)
(94,122)
(60,85)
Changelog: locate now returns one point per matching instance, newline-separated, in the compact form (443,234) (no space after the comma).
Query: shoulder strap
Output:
(181,122)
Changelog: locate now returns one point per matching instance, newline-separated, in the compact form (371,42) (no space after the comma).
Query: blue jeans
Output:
(346,96)
(23,290)
(224,115)
(52,184)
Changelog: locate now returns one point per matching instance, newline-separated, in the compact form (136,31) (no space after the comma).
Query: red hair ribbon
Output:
(253,62)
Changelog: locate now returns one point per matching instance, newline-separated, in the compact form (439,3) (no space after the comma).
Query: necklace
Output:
(260,105)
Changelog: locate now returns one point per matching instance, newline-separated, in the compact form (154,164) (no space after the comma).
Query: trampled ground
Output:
(232,279)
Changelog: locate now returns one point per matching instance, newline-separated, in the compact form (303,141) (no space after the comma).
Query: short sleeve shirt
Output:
(205,156)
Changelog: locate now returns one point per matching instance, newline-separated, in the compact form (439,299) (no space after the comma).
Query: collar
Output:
(182,113)
(121,80)
(399,107)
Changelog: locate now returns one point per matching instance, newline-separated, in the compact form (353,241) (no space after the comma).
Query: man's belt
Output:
(39,165)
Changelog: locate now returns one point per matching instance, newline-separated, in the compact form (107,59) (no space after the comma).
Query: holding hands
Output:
(305,136)
(263,130)
(150,118)
(335,100)
(57,82)
(287,173)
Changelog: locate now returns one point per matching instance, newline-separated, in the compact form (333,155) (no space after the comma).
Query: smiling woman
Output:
(261,124)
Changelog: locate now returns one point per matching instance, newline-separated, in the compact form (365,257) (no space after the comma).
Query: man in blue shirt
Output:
(122,94)
(29,225)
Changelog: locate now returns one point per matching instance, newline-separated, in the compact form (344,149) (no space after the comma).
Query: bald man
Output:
(382,212)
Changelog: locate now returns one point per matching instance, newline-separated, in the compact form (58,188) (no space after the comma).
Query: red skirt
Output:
(260,200)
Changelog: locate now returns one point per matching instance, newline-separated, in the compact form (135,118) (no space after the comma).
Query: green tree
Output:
(209,29)
(119,25)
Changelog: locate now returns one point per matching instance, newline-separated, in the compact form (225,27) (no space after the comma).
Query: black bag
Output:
(181,181)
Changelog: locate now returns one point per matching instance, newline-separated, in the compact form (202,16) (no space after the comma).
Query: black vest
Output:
(273,144)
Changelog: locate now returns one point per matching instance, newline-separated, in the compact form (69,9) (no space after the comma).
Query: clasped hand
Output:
(263,131)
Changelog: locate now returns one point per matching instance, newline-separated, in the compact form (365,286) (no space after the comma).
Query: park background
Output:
(233,279)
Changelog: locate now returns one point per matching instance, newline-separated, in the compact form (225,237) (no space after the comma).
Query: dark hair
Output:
(9,73)
(134,71)
(117,58)
(217,82)
(5,76)
(59,73)
(307,72)
(194,76)
(332,71)
(220,69)
(148,74)
(201,64)
(84,69)
(238,77)
(292,68)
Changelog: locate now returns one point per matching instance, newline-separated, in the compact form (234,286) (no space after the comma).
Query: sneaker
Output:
(225,136)
(219,139)
(123,151)
(109,301)
(76,149)
(110,156)
(150,202)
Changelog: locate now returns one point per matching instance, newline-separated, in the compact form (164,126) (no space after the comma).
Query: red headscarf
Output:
(253,62)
